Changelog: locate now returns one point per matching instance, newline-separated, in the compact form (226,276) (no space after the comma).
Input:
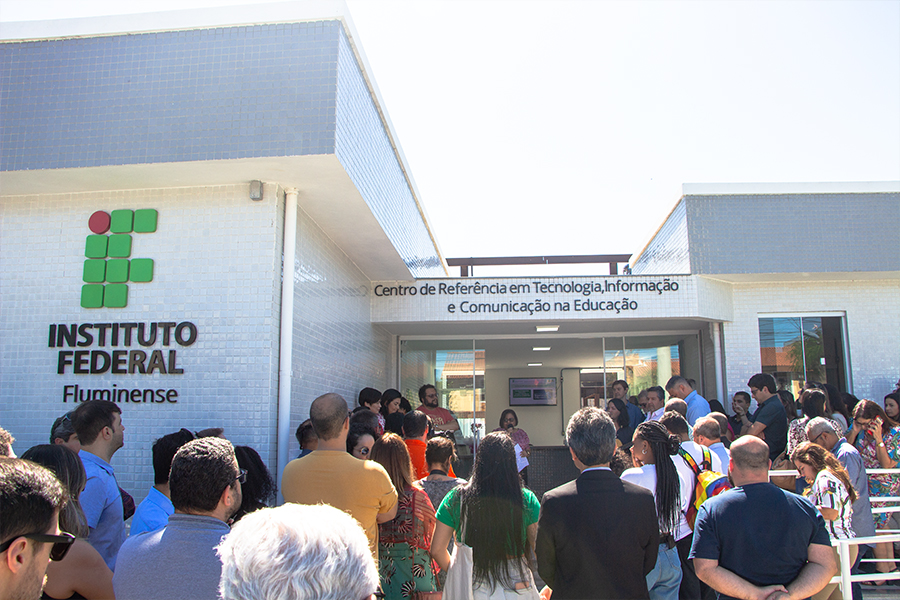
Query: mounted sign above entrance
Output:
(532,298)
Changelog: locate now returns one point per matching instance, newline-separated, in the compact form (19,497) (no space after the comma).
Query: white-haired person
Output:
(297,552)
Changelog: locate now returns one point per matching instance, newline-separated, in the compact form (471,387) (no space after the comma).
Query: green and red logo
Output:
(109,266)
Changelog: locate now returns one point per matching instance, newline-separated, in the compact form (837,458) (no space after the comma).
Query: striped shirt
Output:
(828,492)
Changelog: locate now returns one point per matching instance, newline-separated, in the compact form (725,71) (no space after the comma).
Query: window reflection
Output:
(799,349)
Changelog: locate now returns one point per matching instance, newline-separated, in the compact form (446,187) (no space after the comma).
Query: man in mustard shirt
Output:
(331,475)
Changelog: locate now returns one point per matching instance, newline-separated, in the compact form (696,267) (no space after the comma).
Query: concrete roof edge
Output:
(635,258)
(368,74)
(173,20)
(837,187)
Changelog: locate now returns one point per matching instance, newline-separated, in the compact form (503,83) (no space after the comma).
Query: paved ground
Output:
(884,592)
(881,592)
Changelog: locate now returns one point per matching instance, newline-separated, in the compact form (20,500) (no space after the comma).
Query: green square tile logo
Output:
(119,246)
(95,246)
(121,221)
(94,271)
(92,296)
(109,269)
(117,270)
(141,270)
(115,295)
(145,220)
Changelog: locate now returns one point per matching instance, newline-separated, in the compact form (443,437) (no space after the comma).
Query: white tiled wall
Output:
(336,348)
(873,328)
(217,258)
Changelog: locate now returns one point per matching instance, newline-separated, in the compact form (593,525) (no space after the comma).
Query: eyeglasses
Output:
(816,439)
(61,543)
(242,476)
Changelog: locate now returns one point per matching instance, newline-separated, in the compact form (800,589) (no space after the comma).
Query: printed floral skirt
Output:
(404,571)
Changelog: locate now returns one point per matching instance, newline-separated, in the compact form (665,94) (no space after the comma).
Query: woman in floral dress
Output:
(877,437)
(404,564)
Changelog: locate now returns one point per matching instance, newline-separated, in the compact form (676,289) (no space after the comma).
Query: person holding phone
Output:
(877,437)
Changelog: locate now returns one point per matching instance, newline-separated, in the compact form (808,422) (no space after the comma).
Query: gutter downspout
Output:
(717,352)
(286,343)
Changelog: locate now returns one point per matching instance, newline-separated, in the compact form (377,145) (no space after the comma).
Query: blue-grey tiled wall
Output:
(204,94)
(668,252)
(793,233)
(364,149)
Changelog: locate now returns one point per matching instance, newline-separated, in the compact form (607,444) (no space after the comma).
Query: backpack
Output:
(709,483)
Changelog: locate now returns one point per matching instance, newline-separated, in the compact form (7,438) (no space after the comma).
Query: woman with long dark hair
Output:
(877,437)
(832,493)
(892,405)
(839,409)
(619,413)
(360,441)
(789,404)
(390,402)
(405,566)
(82,573)
(813,403)
(259,488)
(655,470)
(499,518)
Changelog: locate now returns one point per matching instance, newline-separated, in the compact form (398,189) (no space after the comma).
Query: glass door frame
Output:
(552,336)
(848,372)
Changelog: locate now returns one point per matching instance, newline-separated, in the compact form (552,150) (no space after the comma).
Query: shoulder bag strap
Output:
(689,460)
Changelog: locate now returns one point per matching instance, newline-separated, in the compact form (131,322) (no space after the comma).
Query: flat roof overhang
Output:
(327,195)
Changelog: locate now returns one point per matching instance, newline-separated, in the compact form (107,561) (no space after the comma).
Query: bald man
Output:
(331,475)
(757,540)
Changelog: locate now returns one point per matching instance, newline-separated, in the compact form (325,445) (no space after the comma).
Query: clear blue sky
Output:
(568,127)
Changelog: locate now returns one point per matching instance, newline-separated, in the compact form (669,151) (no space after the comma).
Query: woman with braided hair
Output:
(655,470)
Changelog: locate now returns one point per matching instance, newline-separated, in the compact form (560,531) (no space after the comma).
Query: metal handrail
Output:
(845,578)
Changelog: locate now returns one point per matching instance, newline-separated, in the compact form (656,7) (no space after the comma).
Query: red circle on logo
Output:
(99,222)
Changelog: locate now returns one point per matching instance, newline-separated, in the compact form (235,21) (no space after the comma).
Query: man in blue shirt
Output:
(180,560)
(98,424)
(155,510)
(757,540)
(697,406)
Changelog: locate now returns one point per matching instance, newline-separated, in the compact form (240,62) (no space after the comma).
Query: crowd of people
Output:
(374,508)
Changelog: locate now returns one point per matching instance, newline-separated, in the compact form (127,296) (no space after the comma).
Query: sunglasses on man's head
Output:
(61,543)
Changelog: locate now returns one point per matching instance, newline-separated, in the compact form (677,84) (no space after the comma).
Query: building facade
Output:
(207,217)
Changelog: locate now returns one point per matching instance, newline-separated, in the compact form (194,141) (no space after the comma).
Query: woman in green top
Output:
(500,522)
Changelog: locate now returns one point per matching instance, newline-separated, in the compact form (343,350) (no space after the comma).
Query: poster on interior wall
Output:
(539,391)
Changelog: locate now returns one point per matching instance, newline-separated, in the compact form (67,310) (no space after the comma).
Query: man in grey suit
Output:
(598,536)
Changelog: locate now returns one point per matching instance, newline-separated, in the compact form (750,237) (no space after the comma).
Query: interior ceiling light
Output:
(586,371)
(535,364)
(540,348)
(546,328)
